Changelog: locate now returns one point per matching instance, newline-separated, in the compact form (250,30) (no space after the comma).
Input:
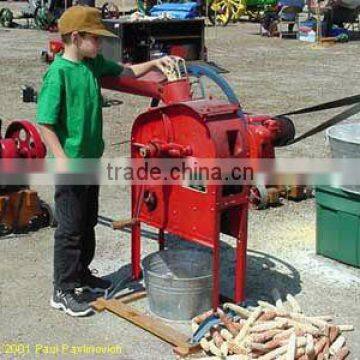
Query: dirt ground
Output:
(270,76)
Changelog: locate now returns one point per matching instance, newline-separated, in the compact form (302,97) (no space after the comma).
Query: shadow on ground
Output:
(264,272)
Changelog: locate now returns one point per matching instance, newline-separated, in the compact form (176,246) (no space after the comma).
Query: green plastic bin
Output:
(338,225)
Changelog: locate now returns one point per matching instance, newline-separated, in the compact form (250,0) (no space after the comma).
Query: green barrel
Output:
(338,225)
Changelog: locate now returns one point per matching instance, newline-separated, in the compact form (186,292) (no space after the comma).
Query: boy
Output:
(70,117)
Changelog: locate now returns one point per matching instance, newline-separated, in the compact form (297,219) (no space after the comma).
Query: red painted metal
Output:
(55,47)
(8,149)
(22,140)
(152,85)
(265,133)
(183,127)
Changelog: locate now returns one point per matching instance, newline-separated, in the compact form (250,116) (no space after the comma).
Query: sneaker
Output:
(71,303)
(96,284)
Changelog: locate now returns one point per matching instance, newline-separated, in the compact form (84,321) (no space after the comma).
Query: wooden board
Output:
(146,322)
(137,295)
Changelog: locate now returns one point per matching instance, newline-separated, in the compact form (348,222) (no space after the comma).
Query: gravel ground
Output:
(270,76)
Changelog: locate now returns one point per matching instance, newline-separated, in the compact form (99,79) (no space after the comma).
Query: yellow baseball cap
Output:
(83,19)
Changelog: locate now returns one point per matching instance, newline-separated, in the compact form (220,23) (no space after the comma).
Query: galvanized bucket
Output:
(345,143)
(178,283)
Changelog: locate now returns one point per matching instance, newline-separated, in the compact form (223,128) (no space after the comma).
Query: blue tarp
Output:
(175,14)
(189,6)
(178,11)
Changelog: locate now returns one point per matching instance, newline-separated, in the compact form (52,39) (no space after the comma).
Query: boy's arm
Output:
(141,69)
(52,141)
(105,67)
(48,110)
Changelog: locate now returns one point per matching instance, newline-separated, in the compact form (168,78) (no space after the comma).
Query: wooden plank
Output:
(128,298)
(150,324)
(183,352)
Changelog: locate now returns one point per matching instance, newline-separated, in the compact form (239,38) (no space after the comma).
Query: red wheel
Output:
(27,139)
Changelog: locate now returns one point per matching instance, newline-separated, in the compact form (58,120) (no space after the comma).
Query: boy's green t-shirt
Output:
(70,101)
